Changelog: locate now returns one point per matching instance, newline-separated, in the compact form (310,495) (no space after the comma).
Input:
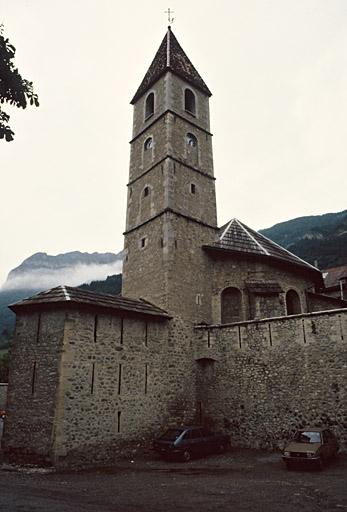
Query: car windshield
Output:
(308,437)
(171,434)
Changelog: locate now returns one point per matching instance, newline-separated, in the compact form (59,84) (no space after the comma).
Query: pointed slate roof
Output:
(239,238)
(69,296)
(170,56)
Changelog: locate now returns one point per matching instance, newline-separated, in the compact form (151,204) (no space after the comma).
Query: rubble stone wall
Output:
(261,380)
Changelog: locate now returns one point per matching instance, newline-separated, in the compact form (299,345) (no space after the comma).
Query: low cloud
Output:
(71,276)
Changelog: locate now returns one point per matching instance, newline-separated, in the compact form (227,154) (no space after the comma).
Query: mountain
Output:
(318,239)
(42,271)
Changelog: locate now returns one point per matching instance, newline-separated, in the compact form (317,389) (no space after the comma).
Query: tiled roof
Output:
(332,276)
(66,295)
(264,287)
(237,237)
(170,56)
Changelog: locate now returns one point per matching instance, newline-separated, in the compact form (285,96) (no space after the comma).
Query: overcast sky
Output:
(278,73)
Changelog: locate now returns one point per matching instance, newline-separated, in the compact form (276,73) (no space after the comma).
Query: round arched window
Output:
(191,140)
(189,101)
(148,143)
(149,110)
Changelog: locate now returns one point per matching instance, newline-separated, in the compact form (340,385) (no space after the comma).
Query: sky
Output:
(278,73)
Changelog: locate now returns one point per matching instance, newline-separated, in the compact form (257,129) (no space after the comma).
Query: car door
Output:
(207,441)
(196,442)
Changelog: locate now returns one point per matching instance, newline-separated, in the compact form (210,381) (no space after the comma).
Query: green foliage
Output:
(292,231)
(318,238)
(5,358)
(7,317)
(14,89)
(112,285)
(6,339)
(328,253)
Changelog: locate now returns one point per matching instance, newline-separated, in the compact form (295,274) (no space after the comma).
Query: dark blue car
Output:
(187,442)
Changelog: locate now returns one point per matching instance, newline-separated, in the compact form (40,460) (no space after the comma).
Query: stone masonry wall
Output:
(33,384)
(121,387)
(261,380)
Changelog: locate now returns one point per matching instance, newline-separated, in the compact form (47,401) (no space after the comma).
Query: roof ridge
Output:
(170,56)
(226,229)
(66,293)
(252,237)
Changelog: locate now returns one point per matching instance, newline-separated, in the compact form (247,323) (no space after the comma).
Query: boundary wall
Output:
(261,380)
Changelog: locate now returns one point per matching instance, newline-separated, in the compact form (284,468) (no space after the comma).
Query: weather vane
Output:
(169,12)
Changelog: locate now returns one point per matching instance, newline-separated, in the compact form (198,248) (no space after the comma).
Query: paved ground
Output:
(241,480)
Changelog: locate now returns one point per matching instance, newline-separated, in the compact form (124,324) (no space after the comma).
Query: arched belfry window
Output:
(148,143)
(192,141)
(231,305)
(149,105)
(293,303)
(189,101)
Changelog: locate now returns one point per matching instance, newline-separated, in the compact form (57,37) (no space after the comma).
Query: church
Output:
(216,325)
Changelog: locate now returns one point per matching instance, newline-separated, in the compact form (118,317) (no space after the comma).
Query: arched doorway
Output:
(231,305)
(293,303)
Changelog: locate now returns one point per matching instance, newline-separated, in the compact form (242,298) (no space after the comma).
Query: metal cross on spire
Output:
(169,18)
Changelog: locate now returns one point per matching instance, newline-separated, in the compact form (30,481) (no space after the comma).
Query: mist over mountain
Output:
(316,238)
(42,271)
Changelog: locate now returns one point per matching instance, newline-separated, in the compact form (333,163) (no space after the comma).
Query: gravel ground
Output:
(240,480)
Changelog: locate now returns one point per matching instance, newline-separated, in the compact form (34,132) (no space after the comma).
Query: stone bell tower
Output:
(171,208)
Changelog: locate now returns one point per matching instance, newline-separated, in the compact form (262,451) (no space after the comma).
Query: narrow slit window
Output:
(146,378)
(192,188)
(92,380)
(38,329)
(95,327)
(146,191)
(33,380)
(119,378)
(119,414)
(145,335)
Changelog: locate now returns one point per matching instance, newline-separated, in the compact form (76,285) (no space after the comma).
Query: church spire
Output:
(171,56)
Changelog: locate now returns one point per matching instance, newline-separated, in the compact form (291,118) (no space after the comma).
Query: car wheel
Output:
(221,448)
(186,456)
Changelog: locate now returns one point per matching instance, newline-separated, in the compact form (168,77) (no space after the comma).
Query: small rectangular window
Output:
(192,188)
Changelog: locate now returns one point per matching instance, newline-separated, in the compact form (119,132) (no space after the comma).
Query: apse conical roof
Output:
(236,237)
(171,56)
